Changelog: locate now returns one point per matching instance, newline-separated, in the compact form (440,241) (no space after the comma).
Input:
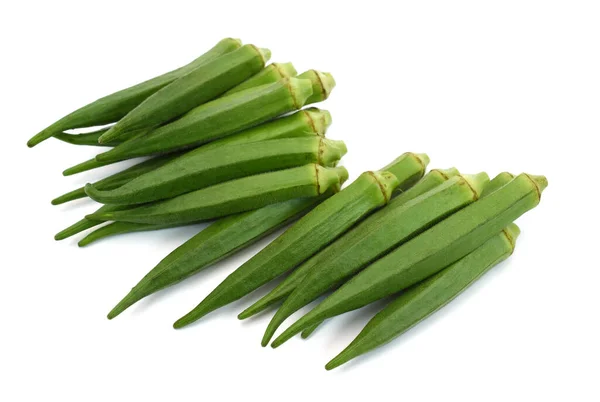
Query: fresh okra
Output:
(199,86)
(425,298)
(90,138)
(407,167)
(111,108)
(376,236)
(215,119)
(270,74)
(85,223)
(428,253)
(233,196)
(200,168)
(309,235)
(216,242)
(118,179)
(307,122)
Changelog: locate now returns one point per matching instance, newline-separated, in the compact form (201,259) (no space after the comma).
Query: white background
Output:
(480,85)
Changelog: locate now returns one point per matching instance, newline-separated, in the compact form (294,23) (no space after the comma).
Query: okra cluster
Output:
(229,141)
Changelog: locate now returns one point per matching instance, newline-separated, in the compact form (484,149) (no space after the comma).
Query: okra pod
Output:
(111,108)
(407,167)
(270,74)
(215,119)
(199,86)
(310,234)
(375,237)
(117,228)
(118,179)
(322,85)
(425,298)
(307,122)
(200,168)
(500,180)
(219,240)
(85,223)
(428,253)
(90,138)
(233,196)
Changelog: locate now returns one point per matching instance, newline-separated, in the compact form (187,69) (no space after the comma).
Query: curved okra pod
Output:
(232,197)
(117,228)
(199,86)
(310,234)
(303,123)
(218,118)
(376,236)
(216,242)
(85,223)
(90,138)
(199,168)
(425,298)
(118,179)
(428,253)
(111,108)
(407,167)
(270,74)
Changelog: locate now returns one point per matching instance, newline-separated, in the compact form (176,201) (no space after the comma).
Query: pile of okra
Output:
(226,139)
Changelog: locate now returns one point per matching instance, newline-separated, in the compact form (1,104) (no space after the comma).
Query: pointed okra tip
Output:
(318,119)
(322,85)
(477,182)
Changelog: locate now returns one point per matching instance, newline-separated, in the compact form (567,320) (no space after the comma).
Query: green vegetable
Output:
(499,181)
(215,119)
(306,122)
(113,107)
(309,235)
(204,83)
(425,298)
(90,138)
(118,179)
(322,85)
(199,168)
(270,74)
(407,174)
(117,228)
(375,237)
(216,242)
(428,253)
(308,331)
(233,196)
(85,223)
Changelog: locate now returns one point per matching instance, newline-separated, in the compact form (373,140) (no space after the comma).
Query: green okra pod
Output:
(117,228)
(111,108)
(270,74)
(303,123)
(195,88)
(406,167)
(322,85)
(428,253)
(310,234)
(85,223)
(232,197)
(118,179)
(90,138)
(376,236)
(425,298)
(500,180)
(202,168)
(215,119)
(216,242)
